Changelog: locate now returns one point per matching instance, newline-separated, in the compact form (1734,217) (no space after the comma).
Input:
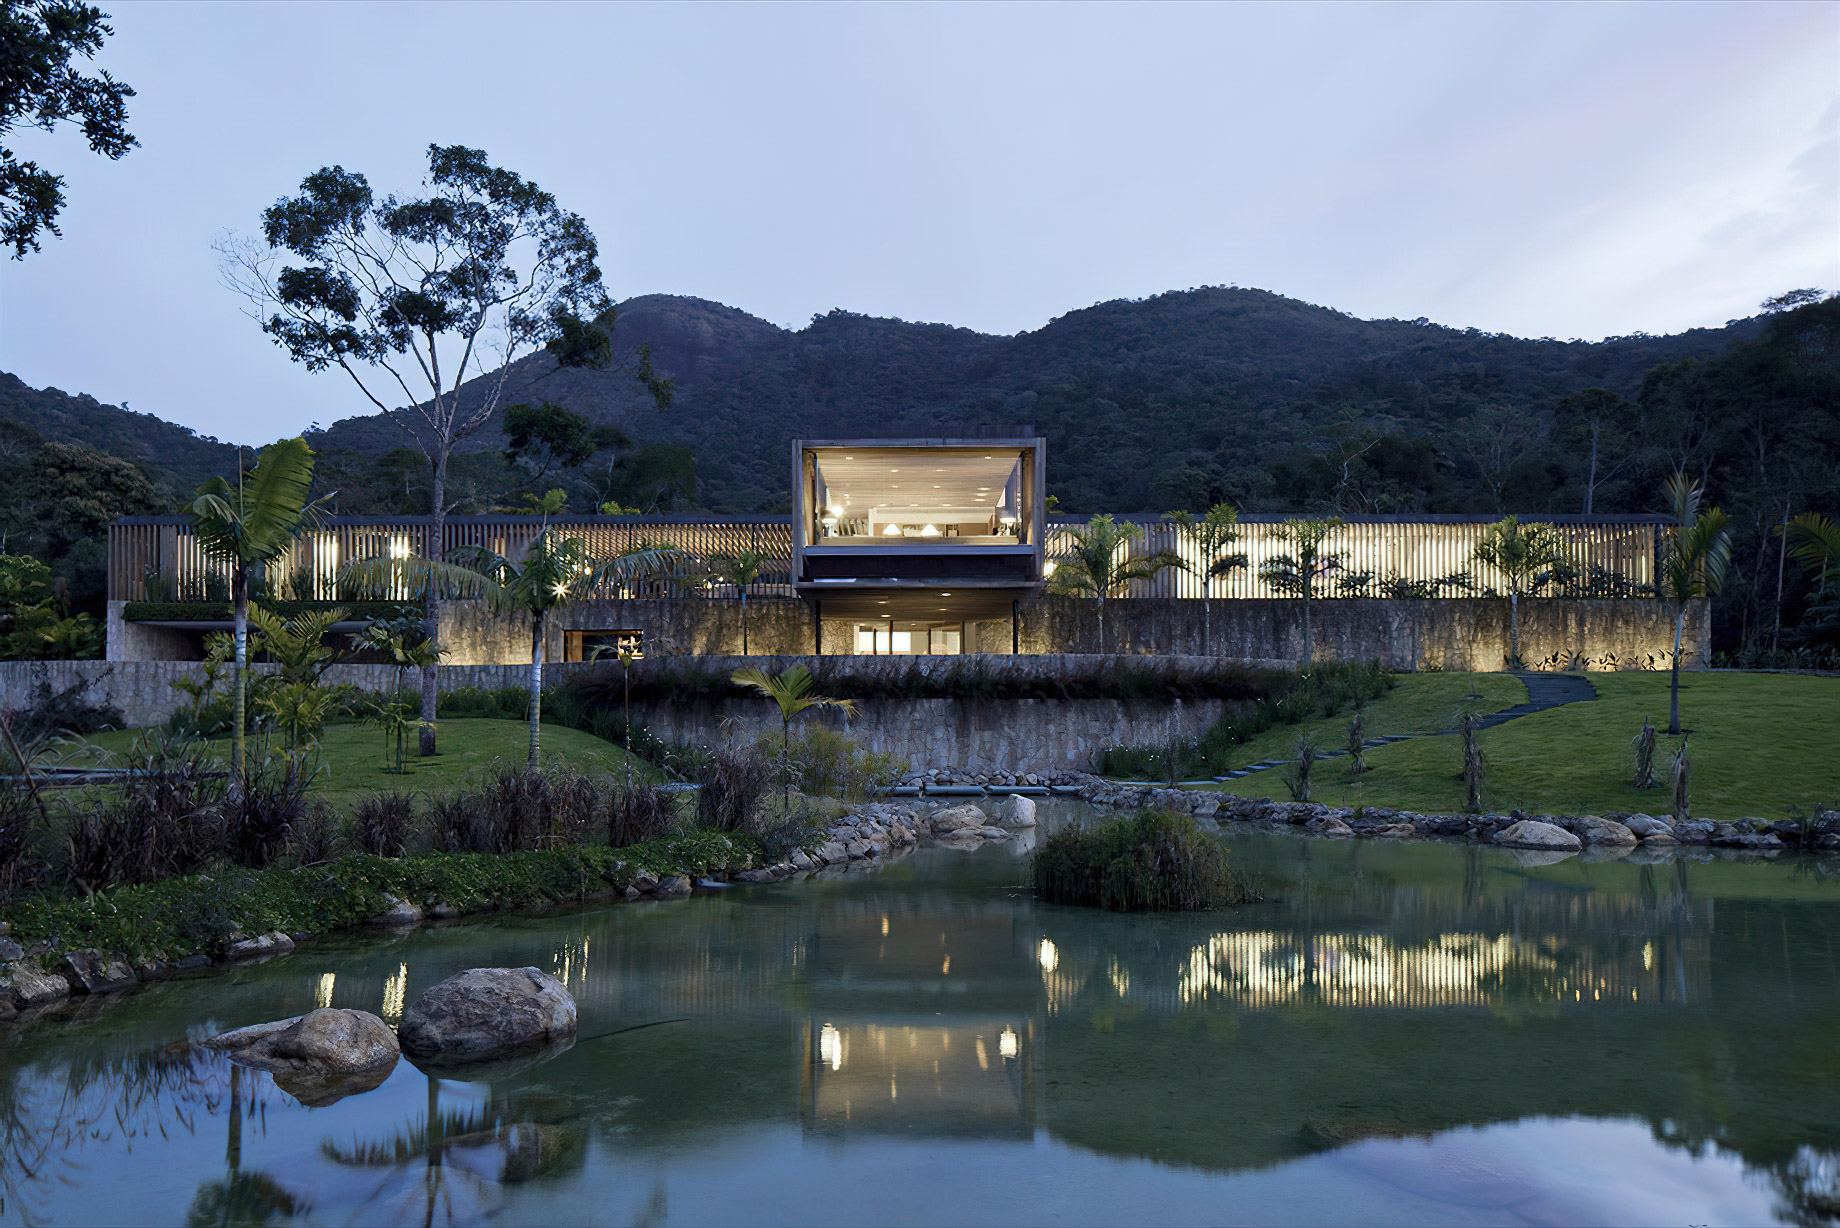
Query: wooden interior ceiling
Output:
(859,479)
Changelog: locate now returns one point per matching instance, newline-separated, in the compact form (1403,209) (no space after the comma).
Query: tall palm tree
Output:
(247,526)
(741,569)
(1097,562)
(551,572)
(1212,532)
(1303,567)
(1520,552)
(1696,552)
(792,691)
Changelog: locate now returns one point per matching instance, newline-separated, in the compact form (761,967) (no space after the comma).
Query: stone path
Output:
(1543,691)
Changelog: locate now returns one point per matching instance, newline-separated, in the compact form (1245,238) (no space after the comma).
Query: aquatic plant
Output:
(1155,860)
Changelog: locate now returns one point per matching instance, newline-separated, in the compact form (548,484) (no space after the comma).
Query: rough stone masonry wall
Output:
(1407,635)
(1458,634)
(994,734)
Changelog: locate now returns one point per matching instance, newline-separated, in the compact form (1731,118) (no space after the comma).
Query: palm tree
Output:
(1696,551)
(1816,546)
(792,691)
(1520,552)
(1299,571)
(741,569)
(247,526)
(549,573)
(1212,533)
(1097,562)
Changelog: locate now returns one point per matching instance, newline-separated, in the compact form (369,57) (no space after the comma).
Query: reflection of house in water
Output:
(926,1075)
(870,1061)
(1637,954)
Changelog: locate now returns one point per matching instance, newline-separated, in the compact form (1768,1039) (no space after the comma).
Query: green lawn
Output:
(1760,744)
(1420,703)
(352,756)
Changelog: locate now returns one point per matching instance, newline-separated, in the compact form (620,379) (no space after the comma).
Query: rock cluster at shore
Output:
(1603,833)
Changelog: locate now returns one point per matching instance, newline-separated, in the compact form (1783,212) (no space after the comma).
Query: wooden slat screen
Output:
(157,558)
(1394,558)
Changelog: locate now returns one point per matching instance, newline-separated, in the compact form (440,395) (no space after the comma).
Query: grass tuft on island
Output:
(1153,861)
(202,913)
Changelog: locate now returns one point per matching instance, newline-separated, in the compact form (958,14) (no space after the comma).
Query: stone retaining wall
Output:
(1453,634)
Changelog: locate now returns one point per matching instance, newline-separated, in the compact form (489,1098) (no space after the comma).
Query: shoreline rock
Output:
(487,1013)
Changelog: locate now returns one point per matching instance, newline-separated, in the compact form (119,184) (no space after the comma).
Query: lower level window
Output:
(604,645)
(909,639)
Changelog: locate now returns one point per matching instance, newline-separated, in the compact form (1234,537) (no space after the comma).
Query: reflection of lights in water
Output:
(393,991)
(884,925)
(830,1046)
(1121,980)
(983,1055)
(945,969)
(1648,956)
(1009,1044)
(322,991)
(1049,955)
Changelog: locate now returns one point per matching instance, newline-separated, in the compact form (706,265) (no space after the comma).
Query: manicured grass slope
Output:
(1760,744)
(353,756)
(1420,703)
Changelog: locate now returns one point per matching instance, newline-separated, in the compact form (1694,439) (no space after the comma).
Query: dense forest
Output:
(1177,401)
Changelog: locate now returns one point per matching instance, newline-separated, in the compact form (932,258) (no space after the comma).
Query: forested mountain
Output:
(1181,400)
(175,452)
(1171,401)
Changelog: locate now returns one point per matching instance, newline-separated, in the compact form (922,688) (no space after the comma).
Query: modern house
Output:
(910,539)
(930,546)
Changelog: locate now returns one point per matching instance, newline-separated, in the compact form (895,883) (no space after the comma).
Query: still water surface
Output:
(1398,1033)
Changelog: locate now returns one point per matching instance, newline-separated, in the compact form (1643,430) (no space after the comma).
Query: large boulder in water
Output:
(331,1039)
(1016,811)
(949,819)
(318,1058)
(1533,834)
(487,1013)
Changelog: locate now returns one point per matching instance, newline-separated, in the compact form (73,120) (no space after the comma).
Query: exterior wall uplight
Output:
(930,531)
(893,530)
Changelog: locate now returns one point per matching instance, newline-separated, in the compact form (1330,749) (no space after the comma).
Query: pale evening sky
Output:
(1542,169)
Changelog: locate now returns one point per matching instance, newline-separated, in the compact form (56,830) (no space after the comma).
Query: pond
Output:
(1397,1033)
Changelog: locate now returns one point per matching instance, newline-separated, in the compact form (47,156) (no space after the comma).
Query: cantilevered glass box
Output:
(942,530)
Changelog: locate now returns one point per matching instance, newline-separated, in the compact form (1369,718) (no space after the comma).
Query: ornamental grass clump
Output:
(1154,861)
